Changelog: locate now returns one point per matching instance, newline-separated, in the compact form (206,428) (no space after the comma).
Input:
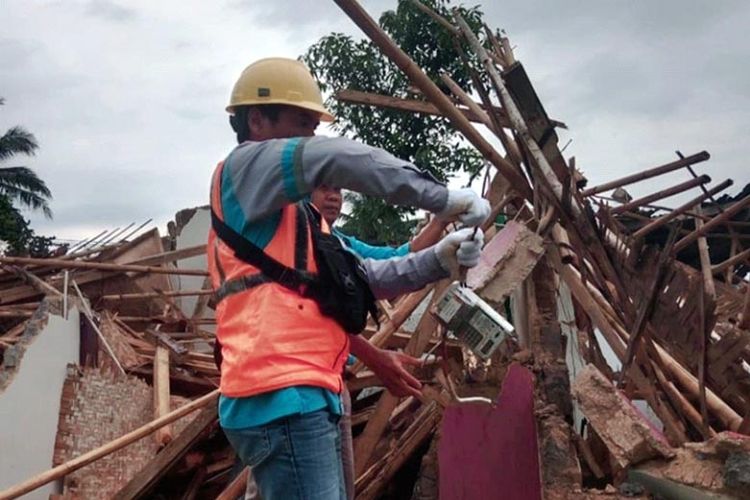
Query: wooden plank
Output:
(664,219)
(155,295)
(161,393)
(649,173)
(407,105)
(719,219)
(101,266)
(140,485)
(171,256)
(236,488)
(370,487)
(660,195)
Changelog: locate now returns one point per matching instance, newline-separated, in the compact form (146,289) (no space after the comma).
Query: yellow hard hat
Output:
(278,80)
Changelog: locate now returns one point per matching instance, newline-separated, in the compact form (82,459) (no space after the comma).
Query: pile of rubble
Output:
(629,374)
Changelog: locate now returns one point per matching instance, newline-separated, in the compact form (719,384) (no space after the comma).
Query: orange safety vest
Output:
(271,337)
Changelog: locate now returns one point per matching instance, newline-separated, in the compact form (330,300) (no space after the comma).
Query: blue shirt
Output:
(369,251)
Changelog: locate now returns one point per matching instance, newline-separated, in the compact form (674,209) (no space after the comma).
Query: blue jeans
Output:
(294,458)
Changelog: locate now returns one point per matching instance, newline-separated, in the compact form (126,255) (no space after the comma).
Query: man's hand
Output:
(460,248)
(389,366)
(465,205)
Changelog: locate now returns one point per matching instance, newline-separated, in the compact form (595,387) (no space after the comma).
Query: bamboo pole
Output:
(647,174)
(101,266)
(709,290)
(104,450)
(485,117)
(719,219)
(705,257)
(740,257)
(436,17)
(664,219)
(681,402)
(153,295)
(433,93)
(659,195)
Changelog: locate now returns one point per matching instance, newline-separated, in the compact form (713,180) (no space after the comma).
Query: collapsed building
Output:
(628,373)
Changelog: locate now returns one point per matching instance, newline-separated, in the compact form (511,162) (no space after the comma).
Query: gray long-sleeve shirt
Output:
(259,178)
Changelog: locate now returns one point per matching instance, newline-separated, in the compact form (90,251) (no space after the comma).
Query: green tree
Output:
(340,62)
(18,236)
(22,186)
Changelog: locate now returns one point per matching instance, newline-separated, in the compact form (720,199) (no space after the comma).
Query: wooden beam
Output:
(740,257)
(161,393)
(664,219)
(171,256)
(147,477)
(436,17)
(407,105)
(719,219)
(659,195)
(649,173)
(101,266)
(423,426)
(104,450)
(155,295)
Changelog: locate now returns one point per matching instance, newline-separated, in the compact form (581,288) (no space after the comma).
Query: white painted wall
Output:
(195,232)
(30,405)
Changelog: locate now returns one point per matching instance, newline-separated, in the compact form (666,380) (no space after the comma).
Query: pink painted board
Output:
(491,452)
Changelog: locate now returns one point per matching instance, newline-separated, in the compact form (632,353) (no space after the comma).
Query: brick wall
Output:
(97,407)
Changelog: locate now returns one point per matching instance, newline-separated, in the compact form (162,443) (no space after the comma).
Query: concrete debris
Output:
(628,437)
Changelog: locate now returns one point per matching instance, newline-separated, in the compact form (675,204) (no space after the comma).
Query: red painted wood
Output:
(490,452)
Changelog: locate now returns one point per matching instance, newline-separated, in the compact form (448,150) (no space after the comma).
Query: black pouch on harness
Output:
(343,291)
(340,288)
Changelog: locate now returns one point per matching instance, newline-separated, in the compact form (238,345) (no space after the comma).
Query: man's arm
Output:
(389,366)
(366,251)
(265,176)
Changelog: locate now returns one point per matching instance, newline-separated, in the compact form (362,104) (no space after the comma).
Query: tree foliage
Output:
(340,62)
(21,185)
(18,236)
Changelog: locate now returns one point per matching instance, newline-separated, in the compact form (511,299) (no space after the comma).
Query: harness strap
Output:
(297,280)
(239,285)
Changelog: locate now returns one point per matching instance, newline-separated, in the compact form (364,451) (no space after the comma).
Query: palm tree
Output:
(21,184)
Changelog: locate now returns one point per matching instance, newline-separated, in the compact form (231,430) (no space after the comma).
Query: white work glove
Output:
(465,205)
(460,249)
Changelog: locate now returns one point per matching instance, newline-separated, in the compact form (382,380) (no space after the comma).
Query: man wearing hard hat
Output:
(289,301)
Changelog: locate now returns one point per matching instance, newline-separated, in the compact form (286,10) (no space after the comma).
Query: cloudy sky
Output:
(126,97)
